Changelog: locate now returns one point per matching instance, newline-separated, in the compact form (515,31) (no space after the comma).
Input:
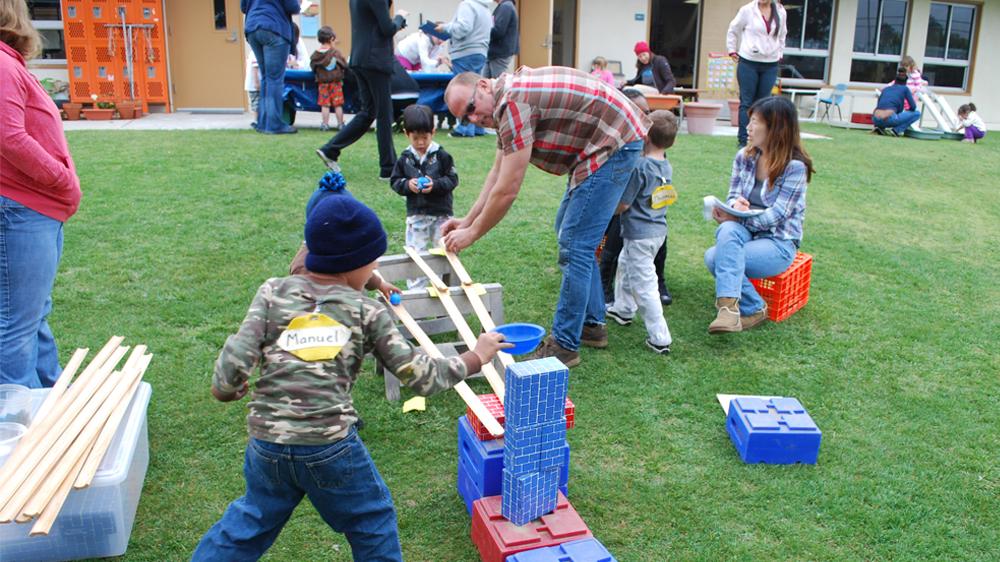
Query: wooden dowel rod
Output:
(18,489)
(85,439)
(468,396)
(477,302)
(56,392)
(464,331)
(36,432)
(96,455)
(44,523)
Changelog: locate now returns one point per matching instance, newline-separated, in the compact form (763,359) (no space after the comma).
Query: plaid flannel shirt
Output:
(786,203)
(572,121)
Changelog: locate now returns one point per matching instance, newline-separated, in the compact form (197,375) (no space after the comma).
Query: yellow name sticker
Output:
(663,196)
(314,337)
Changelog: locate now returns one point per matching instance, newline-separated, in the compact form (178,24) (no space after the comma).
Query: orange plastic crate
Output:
(789,291)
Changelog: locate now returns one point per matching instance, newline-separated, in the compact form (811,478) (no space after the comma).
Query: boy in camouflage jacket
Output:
(309,333)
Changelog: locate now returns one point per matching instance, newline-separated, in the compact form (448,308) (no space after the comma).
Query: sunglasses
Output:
(471,107)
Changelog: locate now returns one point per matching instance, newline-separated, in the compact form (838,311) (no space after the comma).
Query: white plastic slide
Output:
(940,110)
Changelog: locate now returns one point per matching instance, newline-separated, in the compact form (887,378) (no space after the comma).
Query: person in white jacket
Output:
(469,43)
(756,39)
(419,51)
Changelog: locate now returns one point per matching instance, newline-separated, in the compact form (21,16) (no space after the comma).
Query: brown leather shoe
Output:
(728,318)
(595,335)
(755,319)
(551,348)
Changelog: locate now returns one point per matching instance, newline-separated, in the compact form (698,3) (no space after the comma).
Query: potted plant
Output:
(102,110)
(126,109)
(701,117)
(734,112)
(72,110)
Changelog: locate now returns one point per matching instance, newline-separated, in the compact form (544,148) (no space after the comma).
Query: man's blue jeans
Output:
(30,248)
(737,257)
(340,480)
(580,222)
(756,79)
(271,51)
(470,63)
(899,122)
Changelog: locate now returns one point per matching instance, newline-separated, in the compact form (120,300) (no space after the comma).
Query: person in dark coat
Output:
(372,29)
(268,29)
(652,70)
(504,40)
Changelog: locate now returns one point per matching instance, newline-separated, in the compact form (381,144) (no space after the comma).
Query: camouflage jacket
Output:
(309,403)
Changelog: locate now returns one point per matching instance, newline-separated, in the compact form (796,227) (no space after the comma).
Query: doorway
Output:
(535,20)
(564,33)
(673,33)
(206,47)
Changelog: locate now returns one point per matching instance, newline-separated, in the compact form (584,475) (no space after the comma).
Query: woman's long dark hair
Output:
(783,141)
(775,17)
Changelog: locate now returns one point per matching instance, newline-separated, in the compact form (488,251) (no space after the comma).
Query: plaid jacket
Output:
(572,121)
(786,203)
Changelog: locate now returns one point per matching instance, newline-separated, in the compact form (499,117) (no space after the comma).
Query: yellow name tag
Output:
(663,196)
(314,337)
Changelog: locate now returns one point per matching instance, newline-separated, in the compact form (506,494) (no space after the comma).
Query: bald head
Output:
(470,96)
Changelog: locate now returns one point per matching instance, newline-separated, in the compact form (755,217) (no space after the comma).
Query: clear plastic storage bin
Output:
(94,522)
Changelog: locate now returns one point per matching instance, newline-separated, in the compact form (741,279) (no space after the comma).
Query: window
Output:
(46,16)
(950,31)
(879,33)
(220,14)
(807,46)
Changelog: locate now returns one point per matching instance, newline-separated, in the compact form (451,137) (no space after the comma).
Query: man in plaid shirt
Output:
(564,122)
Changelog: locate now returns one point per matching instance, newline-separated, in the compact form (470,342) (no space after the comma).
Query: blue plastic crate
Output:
(772,431)
(585,550)
(483,462)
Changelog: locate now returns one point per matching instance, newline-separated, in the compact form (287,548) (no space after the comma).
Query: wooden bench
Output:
(428,311)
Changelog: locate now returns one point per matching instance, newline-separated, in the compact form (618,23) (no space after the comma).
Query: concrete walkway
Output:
(185,121)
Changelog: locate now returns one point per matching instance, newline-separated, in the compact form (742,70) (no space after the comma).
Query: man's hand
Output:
(231,396)
(721,216)
(451,224)
(459,239)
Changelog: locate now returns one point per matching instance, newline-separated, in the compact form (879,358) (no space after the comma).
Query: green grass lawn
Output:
(894,356)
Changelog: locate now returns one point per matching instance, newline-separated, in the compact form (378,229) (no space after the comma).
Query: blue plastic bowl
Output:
(525,337)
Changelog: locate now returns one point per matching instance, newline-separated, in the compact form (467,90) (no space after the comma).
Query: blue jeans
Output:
(898,122)
(737,256)
(30,248)
(271,51)
(580,222)
(470,63)
(340,480)
(756,80)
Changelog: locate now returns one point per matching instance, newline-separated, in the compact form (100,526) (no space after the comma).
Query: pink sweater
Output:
(36,169)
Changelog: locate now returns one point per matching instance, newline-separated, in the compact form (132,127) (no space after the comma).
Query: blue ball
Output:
(395,299)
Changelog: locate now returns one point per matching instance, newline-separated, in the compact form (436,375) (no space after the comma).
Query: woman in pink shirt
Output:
(39,191)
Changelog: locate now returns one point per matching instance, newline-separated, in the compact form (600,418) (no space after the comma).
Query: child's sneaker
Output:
(661,349)
(621,320)
(324,127)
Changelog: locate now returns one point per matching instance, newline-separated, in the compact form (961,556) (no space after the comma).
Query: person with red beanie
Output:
(39,191)
(652,70)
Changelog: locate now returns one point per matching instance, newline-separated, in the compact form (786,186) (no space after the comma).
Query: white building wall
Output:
(985,79)
(609,29)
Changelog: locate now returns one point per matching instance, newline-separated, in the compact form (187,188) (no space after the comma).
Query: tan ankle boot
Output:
(755,319)
(728,318)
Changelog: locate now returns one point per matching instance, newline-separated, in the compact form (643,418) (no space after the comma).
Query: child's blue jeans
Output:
(340,480)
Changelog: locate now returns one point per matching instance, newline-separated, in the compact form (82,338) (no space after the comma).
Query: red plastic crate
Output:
(861,118)
(497,538)
(495,407)
(788,292)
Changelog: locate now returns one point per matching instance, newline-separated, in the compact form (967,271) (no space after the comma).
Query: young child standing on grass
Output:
(424,174)
(643,209)
(328,65)
(975,127)
(310,333)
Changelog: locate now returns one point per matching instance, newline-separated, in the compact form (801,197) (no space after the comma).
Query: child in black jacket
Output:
(424,174)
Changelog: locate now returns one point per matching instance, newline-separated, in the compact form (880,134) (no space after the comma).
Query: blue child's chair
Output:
(835,99)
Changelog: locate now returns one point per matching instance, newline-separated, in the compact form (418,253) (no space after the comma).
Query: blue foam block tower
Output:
(534,438)
(481,464)
(772,431)
(584,550)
